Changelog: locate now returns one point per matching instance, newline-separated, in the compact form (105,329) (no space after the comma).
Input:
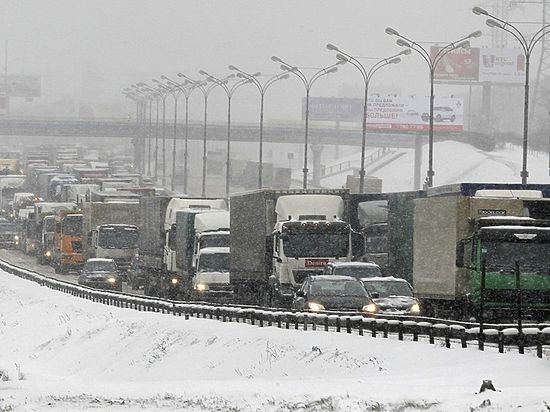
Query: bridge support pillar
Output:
(317,150)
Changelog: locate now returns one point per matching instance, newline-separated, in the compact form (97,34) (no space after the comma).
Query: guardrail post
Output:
(296,321)
(400,328)
(325,321)
(348,325)
(500,339)
(279,320)
(305,322)
(373,328)
(448,338)
(338,324)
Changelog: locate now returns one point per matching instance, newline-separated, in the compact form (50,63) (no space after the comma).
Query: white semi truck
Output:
(279,237)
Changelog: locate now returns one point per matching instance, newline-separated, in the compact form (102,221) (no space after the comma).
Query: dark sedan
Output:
(100,274)
(331,292)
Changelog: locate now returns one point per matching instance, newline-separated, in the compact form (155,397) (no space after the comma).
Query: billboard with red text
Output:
(459,64)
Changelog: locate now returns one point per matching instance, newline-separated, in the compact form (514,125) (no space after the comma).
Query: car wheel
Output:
(438,118)
(453,118)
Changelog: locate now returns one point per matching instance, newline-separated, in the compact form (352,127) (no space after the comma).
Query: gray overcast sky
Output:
(93,49)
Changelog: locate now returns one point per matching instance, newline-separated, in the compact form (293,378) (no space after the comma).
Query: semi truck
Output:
(468,231)
(200,232)
(157,250)
(279,237)
(110,231)
(67,255)
(44,227)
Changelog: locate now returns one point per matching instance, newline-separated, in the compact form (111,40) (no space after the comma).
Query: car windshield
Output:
(214,262)
(100,266)
(337,288)
(386,288)
(358,272)
(118,237)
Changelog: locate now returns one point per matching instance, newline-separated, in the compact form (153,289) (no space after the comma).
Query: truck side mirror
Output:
(357,244)
(460,254)
(300,293)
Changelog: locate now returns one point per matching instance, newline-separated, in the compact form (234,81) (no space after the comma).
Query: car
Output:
(100,273)
(357,270)
(392,295)
(441,113)
(331,292)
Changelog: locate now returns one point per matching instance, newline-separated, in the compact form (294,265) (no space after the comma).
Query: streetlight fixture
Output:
(432,62)
(155,94)
(527,47)
(137,98)
(367,75)
(229,91)
(186,88)
(205,89)
(262,88)
(307,84)
(163,91)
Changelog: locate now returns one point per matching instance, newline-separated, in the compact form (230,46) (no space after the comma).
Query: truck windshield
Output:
(316,245)
(8,227)
(358,272)
(387,288)
(214,241)
(214,262)
(72,225)
(118,237)
(49,225)
(530,255)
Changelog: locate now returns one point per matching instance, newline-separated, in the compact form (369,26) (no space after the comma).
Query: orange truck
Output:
(67,255)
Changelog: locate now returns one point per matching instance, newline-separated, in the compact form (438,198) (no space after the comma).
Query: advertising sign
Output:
(502,66)
(392,112)
(18,85)
(459,64)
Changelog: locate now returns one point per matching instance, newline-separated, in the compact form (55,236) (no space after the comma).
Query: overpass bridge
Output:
(244,132)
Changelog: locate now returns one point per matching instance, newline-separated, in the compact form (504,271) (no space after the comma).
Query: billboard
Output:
(502,66)
(480,65)
(457,65)
(410,113)
(19,85)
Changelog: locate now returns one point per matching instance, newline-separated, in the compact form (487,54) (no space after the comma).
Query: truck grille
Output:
(76,245)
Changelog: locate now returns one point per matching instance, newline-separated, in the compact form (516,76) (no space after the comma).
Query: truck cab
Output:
(115,241)
(68,241)
(212,272)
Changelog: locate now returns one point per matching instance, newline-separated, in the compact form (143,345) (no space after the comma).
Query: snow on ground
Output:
(65,354)
(456,162)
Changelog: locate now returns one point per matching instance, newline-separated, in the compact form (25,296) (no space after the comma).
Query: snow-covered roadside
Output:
(76,355)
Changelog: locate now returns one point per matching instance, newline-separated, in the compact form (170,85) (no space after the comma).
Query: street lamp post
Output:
(186,89)
(262,88)
(205,89)
(136,98)
(432,65)
(164,92)
(527,47)
(229,91)
(157,95)
(307,84)
(367,75)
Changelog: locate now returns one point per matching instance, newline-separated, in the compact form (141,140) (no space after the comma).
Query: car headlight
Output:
(370,308)
(315,307)
(174,281)
(415,308)
(16,237)
(48,253)
(111,279)
(201,287)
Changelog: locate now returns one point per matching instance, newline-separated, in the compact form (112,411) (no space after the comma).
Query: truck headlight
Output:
(16,237)
(415,308)
(201,287)
(174,281)
(48,253)
(315,307)
(370,308)
(111,279)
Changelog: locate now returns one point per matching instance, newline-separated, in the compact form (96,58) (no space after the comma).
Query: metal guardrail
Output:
(327,171)
(501,336)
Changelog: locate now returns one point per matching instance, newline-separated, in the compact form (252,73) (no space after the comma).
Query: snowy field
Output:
(60,353)
(454,162)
